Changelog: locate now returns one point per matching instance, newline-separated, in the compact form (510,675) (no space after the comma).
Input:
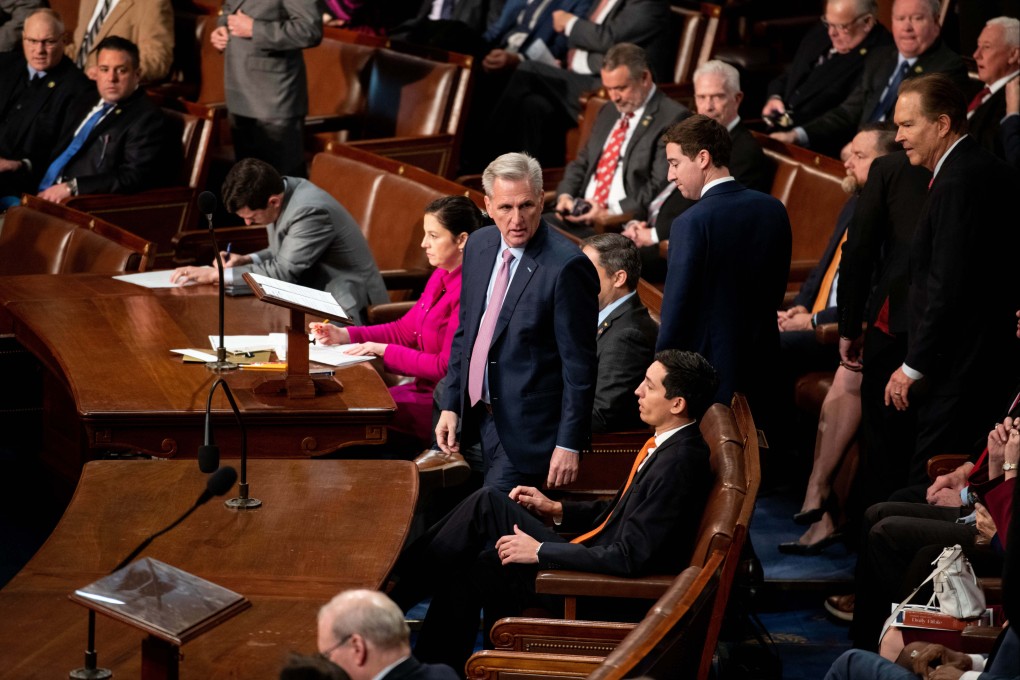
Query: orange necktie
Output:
(822,301)
(642,454)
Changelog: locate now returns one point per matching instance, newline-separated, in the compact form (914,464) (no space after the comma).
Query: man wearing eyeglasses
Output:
(918,50)
(364,633)
(827,65)
(39,88)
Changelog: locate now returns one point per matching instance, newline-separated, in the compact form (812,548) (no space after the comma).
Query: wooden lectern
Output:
(297,383)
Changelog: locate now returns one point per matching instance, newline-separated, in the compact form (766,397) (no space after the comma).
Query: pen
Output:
(229,246)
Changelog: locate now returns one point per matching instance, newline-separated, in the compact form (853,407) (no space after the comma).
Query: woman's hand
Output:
(375,349)
(328,334)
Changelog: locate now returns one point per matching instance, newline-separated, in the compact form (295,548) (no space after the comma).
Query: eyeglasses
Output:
(329,652)
(49,43)
(844,28)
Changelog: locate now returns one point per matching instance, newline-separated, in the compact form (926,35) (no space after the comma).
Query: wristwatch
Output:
(1006,467)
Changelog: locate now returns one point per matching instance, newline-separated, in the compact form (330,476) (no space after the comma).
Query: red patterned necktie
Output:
(978,99)
(610,159)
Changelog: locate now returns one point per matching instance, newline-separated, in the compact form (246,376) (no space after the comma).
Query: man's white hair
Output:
(730,75)
(1010,29)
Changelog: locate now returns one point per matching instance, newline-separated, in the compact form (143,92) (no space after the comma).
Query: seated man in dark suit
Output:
(118,144)
(626,334)
(917,50)
(1011,124)
(827,65)
(487,551)
(40,89)
(621,167)
(365,634)
(998,62)
(717,95)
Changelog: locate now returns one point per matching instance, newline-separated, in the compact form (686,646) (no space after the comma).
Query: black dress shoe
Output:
(816,548)
(806,517)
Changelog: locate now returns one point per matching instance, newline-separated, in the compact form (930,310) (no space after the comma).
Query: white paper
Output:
(160,279)
(245,343)
(311,298)
(538,51)
(195,354)
(333,355)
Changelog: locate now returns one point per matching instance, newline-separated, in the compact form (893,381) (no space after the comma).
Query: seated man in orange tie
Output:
(486,552)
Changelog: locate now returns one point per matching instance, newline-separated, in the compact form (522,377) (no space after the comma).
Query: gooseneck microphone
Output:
(209,452)
(218,484)
(207,205)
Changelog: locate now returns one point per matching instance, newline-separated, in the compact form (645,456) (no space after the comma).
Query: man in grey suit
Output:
(621,168)
(625,339)
(12,16)
(313,240)
(264,74)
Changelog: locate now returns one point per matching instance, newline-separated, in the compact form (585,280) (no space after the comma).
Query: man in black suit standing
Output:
(998,61)
(917,50)
(485,553)
(364,633)
(40,89)
(626,333)
(827,65)
(962,289)
(717,95)
(522,364)
(621,167)
(118,144)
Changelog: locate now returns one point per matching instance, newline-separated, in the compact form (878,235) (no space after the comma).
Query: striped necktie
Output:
(90,35)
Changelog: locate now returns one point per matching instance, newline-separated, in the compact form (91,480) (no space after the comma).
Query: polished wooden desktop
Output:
(112,384)
(324,526)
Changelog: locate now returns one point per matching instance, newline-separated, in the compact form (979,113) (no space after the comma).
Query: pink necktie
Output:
(480,351)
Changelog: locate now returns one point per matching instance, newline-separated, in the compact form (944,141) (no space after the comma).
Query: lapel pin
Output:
(51,84)
(864,50)
(918,69)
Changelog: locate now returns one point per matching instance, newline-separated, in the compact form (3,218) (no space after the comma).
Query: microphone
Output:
(209,452)
(218,484)
(207,205)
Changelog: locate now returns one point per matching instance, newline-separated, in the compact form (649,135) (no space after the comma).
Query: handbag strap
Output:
(938,570)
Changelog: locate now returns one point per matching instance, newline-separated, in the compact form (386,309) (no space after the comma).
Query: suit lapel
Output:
(617,313)
(116,14)
(642,126)
(473,297)
(525,270)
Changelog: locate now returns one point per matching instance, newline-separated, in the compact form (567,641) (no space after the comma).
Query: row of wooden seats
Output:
(39,237)
(733,443)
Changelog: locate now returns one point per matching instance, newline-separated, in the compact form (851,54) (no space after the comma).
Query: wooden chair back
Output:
(698,30)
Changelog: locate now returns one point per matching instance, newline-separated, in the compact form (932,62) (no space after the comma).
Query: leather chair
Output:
(40,237)
(669,642)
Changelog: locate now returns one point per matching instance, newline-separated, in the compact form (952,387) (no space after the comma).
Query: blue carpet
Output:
(772,525)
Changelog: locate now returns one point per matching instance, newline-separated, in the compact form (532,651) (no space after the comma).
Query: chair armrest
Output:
(992,587)
(106,203)
(404,279)
(580,583)
(385,313)
(575,638)
(195,246)
(945,463)
(979,639)
(492,664)
(827,334)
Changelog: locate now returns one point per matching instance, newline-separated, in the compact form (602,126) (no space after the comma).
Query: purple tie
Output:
(480,352)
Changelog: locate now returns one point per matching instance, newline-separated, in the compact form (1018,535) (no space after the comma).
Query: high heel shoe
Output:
(806,517)
(816,548)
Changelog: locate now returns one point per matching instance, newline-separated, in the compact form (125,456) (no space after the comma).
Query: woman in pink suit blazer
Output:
(418,344)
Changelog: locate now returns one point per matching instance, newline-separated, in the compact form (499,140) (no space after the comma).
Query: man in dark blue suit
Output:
(729,257)
(485,553)
(522,364)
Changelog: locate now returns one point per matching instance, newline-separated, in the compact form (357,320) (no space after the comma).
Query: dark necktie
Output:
(889,100)
(57,166)
(979,99)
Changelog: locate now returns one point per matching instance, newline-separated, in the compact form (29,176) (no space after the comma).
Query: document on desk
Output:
(293,296)
(334,355)
(247,343)
(160,279)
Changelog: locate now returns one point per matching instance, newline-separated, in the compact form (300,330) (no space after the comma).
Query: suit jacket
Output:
(264,76)
(809,89)
(412,669)
(653,529)
(962,289)
(477,15)
(12,17)
(147,23)
(813,283)
(635,21)
(542,357)
(983,125)
(643,166)
(729,258)
(833,129)
(33,115)
(1010,133)
(129,150)
(625,347)
(518,16)
(876,255)
(316,243)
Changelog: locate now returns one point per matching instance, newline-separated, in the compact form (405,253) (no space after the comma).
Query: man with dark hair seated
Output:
(486,552)
(118,144)
(313,240)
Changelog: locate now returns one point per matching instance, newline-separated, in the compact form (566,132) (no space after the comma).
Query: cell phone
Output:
(581,206)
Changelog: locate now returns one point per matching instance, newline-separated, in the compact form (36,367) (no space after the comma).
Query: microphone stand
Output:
(221,365)
(242,501)
(90,671)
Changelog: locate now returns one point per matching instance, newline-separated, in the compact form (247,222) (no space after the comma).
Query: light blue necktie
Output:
(57,166)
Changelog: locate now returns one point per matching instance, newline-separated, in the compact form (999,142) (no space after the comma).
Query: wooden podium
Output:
(297,383)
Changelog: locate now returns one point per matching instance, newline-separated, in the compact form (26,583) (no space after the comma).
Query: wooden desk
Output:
(112,384)
(325,526)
